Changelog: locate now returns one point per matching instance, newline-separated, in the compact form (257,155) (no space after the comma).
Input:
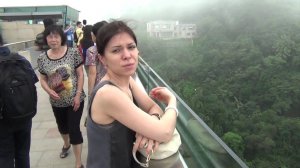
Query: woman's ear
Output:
(102,59)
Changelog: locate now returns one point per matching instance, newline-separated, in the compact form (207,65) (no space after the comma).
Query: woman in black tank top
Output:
(115,122)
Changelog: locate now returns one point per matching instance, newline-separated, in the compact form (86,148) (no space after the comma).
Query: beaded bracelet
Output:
(171,107)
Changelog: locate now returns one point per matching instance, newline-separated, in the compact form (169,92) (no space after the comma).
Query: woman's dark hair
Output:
(78,23)
(86,40)
(108,31)
(47,22)
(55,29)
(97,26)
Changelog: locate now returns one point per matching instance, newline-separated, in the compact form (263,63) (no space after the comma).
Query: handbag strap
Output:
(134,150)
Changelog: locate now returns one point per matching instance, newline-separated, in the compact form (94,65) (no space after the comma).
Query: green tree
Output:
(235,142)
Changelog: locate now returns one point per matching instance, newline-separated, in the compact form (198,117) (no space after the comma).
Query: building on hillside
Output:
(171,30)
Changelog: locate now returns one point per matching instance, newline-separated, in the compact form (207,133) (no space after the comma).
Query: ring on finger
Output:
(146,145)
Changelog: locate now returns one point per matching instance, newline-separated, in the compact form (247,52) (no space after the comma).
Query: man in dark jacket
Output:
(15,136)
(39,40)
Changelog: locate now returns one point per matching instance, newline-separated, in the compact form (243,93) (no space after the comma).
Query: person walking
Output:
(85,43)
(69,31)
(96,69)
(61,76)
(15,127)
(39,39)
(78,32)
(84,23)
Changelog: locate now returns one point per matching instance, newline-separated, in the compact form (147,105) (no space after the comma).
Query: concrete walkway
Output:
(46,142)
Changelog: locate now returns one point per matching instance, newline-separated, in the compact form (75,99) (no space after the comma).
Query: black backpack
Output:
(75,37)
(18,95)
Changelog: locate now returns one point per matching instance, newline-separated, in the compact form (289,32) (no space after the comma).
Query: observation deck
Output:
(201,147)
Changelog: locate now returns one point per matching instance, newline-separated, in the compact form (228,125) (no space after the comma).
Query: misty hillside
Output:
(241,75)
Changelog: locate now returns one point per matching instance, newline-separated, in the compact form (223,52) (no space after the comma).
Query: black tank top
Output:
(109,146)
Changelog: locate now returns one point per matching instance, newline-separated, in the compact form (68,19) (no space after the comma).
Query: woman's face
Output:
(54,40)
(121,55)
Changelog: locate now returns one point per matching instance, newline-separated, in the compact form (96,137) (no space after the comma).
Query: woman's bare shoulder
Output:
(109,95)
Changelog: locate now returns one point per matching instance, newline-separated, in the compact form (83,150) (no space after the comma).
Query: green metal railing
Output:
(201,147)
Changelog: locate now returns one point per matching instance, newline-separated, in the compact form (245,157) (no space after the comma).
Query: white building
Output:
(171,30)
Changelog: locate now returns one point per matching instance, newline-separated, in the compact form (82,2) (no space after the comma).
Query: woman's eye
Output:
(115,51)
(132,47)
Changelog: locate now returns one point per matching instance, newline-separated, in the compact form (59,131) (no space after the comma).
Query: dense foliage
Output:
(241,75)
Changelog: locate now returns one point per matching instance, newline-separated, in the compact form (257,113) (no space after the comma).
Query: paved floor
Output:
(46,142)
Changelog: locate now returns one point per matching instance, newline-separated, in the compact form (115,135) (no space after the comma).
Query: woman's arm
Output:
(91,61)
(91,78)
(80,79)
(143,100)
(151,108)
(79,89)
(45,86)
(111,104)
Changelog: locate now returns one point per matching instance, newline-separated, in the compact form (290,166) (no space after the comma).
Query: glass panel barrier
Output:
(201,147)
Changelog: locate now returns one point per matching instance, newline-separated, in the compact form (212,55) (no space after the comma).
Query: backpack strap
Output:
(1,107)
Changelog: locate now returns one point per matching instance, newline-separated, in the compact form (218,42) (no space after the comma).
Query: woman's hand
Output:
(76,102)
(53,95)
(162,94)
(145,143)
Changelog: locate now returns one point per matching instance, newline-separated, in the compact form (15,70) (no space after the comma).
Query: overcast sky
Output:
(89,10)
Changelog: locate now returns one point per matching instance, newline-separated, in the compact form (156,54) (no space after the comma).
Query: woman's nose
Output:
(126,54)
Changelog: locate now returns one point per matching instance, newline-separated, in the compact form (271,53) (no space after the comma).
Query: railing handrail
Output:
(19,42)
(199,120)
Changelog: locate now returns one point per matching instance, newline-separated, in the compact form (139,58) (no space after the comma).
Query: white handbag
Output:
(164,150)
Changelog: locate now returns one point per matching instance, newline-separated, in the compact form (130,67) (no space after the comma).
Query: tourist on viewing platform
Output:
(86,42)
(84,22)
(120,112)
(95,68)
(39,39)
(61,76)
(69,31)
(18,104)
(78,33)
